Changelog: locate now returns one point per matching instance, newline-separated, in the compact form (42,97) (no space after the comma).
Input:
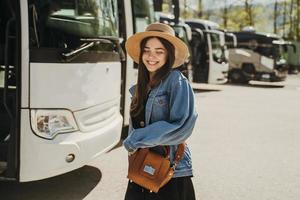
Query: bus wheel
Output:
(236,76)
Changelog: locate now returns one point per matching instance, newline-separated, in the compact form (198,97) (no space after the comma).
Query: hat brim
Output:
(133,46)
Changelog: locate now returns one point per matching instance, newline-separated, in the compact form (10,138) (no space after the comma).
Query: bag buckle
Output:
(174,166)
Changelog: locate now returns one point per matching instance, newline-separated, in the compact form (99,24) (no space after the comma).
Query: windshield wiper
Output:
(88,43)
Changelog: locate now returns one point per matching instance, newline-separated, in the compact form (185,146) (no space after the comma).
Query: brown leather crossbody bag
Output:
(151,170)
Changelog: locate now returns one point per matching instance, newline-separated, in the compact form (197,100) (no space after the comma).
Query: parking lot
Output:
(245,146)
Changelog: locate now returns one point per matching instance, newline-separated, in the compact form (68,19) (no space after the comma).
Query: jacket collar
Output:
(153,93)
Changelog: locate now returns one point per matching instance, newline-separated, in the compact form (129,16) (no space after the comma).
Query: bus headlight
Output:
(48,123)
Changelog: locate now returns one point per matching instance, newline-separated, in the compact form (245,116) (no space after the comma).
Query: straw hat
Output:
(157,30)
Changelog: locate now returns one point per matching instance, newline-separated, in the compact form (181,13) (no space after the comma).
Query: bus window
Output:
(180,33)
(143,15)
(217,49)
(279,52)
(143,12)
(62,24)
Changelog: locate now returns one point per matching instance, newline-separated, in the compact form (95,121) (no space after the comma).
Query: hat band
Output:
(162,32)
(156,30)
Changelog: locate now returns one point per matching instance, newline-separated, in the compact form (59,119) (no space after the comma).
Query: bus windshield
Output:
(143,14)
(280,53)
(181,33)
(54,21)
(217,49)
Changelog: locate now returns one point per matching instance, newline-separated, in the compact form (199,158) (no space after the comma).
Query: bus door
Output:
(9,89)
(136,15)
(199,49)
(71,76)
(218,64)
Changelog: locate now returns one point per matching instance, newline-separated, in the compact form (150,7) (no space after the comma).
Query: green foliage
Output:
(287,17)
(237,19)
(261,15)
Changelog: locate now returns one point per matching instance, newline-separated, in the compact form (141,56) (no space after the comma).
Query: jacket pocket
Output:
(161,100)
(160,108)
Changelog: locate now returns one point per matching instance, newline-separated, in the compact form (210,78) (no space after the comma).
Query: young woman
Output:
(162,108)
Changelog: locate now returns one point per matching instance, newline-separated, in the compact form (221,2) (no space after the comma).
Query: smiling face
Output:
(154,55)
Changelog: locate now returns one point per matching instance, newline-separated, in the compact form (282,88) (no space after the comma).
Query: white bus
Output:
(210,56)
(64,81)
(60,85)
(258,57)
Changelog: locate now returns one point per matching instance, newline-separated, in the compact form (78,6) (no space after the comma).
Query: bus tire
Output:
(248,69)
(236,76)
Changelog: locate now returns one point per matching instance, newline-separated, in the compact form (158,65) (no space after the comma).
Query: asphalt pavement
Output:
(245,146)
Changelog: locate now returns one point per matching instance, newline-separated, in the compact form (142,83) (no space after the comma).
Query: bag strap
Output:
(178,155)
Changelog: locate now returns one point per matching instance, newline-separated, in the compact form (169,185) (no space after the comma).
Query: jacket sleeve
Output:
(174,131)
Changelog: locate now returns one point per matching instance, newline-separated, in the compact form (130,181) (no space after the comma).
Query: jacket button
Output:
(142,124)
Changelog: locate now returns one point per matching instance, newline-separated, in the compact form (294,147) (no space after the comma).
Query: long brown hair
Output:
(143,83)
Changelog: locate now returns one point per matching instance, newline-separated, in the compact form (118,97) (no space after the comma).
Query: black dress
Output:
(176,189)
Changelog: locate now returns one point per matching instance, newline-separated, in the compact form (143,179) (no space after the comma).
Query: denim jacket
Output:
(170,116)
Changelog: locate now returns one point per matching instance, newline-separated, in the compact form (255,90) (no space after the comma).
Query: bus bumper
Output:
(41,158)
(275,76)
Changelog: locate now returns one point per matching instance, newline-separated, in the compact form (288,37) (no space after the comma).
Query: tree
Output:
(298,20)
(249,11)
(284,17)
(291,33)
(226,9)
(158,5)
(275,16)
(200,9)
(225,14)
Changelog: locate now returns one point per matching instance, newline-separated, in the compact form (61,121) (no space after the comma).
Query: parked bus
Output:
(64,81)
(60,85)
(209,63)
(259,57)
